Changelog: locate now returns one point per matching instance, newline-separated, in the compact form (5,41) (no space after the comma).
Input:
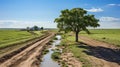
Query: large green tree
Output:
(76,20)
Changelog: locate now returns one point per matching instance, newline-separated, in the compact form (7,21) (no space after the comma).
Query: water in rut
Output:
(47,60)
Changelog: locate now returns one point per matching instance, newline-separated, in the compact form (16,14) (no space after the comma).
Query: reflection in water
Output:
(47,61)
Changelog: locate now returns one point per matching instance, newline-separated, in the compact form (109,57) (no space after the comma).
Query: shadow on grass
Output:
(111,55)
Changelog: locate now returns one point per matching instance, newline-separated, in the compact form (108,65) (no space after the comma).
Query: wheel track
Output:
(8,56)
(16,60)
(26,56)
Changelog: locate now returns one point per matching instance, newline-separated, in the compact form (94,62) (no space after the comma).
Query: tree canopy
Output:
(36,28)
(41,28)
(76,20)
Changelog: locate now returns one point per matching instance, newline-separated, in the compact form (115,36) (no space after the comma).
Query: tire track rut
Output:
(27,57)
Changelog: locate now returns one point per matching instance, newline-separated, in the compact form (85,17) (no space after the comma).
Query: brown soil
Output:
(29,57)
(70,60)
(101,54)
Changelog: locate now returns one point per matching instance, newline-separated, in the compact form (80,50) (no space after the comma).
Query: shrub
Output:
(55,38)
(45,51)
(56,56)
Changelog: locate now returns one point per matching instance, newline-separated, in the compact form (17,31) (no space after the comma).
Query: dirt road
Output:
(101,54)
(29,56)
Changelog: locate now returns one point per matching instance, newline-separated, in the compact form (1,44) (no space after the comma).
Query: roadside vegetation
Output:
(56,56)
(69,46)
(111,36)
(45,51)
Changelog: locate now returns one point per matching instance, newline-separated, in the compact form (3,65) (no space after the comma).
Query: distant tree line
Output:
(34,28)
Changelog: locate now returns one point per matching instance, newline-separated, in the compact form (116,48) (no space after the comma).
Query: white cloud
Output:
(109,25)
(109,19)
(24,24)
(95,10)
(113,4)
(109,22)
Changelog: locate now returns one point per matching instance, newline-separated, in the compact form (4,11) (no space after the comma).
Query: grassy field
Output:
(111,36)
(9,37)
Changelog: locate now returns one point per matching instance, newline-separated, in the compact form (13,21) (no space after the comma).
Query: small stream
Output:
(47,60)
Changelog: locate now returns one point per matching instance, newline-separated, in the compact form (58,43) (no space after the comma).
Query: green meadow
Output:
(9,37)
(111,36)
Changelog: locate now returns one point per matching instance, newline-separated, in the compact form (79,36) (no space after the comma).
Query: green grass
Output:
(9,37)
(38,32)
(79,53)
(111,36)
(56,56)
(70,45)
(45,51)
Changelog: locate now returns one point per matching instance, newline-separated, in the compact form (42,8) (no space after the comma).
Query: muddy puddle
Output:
(47,60)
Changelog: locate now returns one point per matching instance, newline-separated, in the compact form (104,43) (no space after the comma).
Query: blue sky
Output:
(23,13)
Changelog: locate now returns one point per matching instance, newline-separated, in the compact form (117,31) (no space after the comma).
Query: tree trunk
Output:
(76,36)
